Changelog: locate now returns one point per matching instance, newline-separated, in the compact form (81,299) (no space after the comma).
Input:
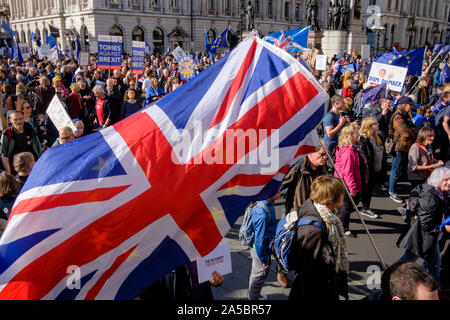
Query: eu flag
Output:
(8,30)
(445,75)
(441,49)
(413,60)
(207,45)
(374,94)
(221,41)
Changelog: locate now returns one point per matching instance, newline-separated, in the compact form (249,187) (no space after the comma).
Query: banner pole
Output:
(356,208)
(425,72)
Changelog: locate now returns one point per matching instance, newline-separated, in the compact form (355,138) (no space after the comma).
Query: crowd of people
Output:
(327,184)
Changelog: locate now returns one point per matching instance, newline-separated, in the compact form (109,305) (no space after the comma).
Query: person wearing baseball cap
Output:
(404,133)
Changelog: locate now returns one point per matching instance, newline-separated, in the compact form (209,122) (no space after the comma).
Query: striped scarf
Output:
(336,250)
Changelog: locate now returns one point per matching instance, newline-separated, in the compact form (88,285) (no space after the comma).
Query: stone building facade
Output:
(408,23)
(164,24)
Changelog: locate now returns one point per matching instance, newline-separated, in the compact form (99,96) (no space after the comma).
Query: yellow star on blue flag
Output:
(413,60)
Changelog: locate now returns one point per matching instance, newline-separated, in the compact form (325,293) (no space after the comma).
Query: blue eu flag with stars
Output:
(445,75)
(221,41)
(413,60)
(374,94)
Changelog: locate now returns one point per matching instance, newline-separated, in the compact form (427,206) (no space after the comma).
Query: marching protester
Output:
(404,133)
(350,167)
(432,208)
(297,188)
(421,160)
(23,163)
(333,122)
(264,223)
(321,257)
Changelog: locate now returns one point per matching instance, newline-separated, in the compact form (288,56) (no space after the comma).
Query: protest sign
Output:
(84,58)
(187,67)
(109,52)
(365,51)
(218,260)
(45,51)
(68,51)
(58,115)
(178,53)
(138,57)
(321,62)
(384,73)
(25,50)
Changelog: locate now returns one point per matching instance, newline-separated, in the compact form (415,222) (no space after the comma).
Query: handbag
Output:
(389,145)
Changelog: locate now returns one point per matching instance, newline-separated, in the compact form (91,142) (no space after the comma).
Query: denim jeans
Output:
(432,264)
(398,162)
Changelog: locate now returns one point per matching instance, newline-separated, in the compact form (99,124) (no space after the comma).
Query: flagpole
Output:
(356,207)
(426,71)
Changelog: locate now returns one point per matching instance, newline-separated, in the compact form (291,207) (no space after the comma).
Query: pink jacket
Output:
(347,164)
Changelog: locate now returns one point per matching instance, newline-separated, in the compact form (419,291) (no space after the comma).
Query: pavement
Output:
(364,262)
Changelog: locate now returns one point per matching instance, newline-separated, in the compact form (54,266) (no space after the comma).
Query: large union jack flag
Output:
(125,207)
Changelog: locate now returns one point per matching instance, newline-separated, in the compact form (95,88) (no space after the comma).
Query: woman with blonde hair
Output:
(372,146)
(347,91)
(321,246)
(349,165)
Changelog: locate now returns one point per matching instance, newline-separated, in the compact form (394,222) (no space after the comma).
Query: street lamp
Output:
(378,30)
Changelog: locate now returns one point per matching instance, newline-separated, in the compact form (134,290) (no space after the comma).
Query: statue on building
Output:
(249,17)
(311,14)
(330,16)
(345,14)
(336,15)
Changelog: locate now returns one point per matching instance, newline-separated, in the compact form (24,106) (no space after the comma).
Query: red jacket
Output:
(75,105)
(347,92)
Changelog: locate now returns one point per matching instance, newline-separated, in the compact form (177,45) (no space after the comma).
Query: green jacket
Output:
(8,145)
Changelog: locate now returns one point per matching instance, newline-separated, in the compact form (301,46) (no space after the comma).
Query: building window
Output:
(389,4)
(257,7)
(174,4)
(287,10)
(158,40)
(269,9)
(373,2)
(116,31)
(211,36)
(85,38)
(227,5)
(135,4)
(392,35)
(138,34)
(113,4)
(211,5)
(297,11)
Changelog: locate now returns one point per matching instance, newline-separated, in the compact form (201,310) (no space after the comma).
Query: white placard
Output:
(178,53)
(25,50)
(321,62)
(45,51)
(385,73)
(365,51)
(218,260)
(58,115)
(84,58)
